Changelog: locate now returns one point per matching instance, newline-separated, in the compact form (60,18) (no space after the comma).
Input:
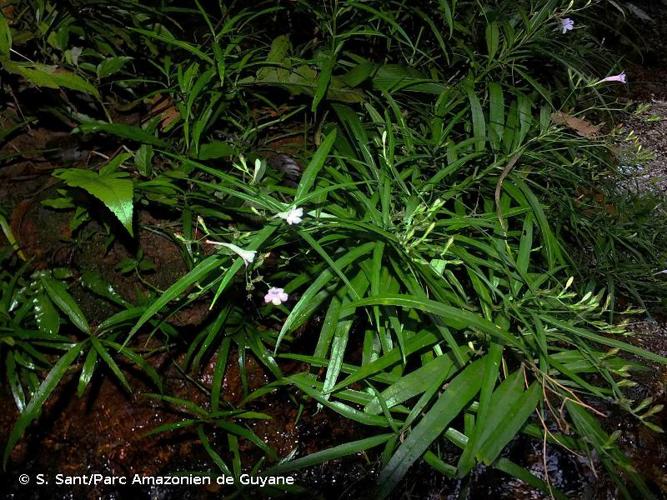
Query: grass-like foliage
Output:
(432,230)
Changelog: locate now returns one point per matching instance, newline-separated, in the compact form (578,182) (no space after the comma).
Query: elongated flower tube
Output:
(615,78)
(248,256)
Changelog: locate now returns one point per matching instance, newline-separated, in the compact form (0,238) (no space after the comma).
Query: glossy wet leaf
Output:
(46,315)
(115,191)
(57,292)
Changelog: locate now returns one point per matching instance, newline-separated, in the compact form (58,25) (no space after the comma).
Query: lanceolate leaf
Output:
(5,37)
(174,291)
(114,191)
(310,174)
(65,302)
(52,77)
(329,454)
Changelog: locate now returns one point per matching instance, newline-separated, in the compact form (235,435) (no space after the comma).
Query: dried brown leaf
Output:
(582,127)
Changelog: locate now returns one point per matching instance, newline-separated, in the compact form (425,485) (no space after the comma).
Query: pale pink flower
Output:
(276,296)
(567,24)
(615,78)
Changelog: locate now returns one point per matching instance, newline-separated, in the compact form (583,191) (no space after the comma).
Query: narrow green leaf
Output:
(111,363)
(202,270)
(478,120)
(310,173)
(335,453)
(87,372)
(451,316)
(53,77)
(323,80)
(5,37)
(296,316)
(489,380)
(456,396)
(46,316)
(414,383)
(508,425)
(34,406)
(65,302)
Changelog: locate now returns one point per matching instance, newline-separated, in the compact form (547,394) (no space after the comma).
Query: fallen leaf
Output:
(582,127)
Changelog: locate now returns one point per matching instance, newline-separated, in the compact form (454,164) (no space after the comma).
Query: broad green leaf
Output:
(117,193)
(280,49)
(397,77)
(143,159)
(215,150)
(42,75)
(123,131)
(111,65)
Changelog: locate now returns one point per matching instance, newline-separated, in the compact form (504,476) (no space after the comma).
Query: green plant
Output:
(437,229)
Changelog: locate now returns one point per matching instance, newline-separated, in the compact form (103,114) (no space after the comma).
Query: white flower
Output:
(567,24)
(276,296)
(292,216)
(248,256)
(75,52)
